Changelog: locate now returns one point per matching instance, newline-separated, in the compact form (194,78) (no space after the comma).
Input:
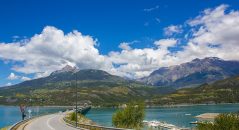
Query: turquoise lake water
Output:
(174,115)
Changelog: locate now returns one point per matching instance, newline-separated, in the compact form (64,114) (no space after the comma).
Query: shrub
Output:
(222,122)
(73,116)
(130,117)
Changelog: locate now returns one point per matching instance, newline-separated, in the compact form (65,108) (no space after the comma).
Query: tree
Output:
(228,121)
(130,117)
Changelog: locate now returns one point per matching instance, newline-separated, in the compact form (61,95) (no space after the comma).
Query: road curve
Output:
(48,122)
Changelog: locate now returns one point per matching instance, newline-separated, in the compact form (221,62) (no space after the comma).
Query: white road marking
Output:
(49,124)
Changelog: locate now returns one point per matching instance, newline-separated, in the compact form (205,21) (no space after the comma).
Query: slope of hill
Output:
(94,86)
(70,74)
(193,73)
(223,91)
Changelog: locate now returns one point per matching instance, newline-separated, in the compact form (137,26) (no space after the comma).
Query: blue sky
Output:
(138,24)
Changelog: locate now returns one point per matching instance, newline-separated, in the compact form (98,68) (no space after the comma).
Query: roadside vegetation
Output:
(5,128)
(130,117)
(222,122)
(80,118)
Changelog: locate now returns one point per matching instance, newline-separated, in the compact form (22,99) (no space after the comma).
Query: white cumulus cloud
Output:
(137,63)
(165,43)
(215,33)
(172,29)
(125,46)
(51,50)
(24,78)
(12,76)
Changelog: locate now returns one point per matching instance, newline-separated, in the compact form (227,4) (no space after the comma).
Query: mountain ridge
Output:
(69,73)
(221,91)
(193,73)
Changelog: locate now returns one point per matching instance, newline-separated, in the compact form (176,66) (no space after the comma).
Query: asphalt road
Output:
(48,122)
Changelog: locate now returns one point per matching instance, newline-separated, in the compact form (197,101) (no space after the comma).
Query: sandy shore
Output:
(207,115)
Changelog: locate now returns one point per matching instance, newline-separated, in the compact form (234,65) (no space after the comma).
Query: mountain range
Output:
(101,88)
(193,73)
(96,87)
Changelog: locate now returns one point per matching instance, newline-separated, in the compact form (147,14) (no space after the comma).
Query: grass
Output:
(4,128)
(80,118)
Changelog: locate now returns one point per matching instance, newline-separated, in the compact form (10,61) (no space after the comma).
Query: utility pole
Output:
(76,101)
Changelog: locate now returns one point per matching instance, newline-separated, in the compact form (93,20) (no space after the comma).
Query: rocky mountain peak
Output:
(212,58)
(196,72)
(67,68)
(208,59)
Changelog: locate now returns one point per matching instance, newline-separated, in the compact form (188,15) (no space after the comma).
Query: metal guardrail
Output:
(16,125)
(91,127)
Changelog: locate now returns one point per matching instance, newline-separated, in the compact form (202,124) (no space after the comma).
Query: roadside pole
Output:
(76,101)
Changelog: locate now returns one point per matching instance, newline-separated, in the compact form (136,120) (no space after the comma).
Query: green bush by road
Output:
(130,117)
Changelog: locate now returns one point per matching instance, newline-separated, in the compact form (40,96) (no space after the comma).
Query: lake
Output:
(179,115)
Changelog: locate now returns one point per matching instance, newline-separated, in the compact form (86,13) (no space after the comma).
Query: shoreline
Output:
(147,106)
(185,105)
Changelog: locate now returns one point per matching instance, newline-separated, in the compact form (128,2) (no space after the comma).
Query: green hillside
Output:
(94,86)
(223,91)
(63,93)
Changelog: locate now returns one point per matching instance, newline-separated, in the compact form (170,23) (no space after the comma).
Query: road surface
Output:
(48,122)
